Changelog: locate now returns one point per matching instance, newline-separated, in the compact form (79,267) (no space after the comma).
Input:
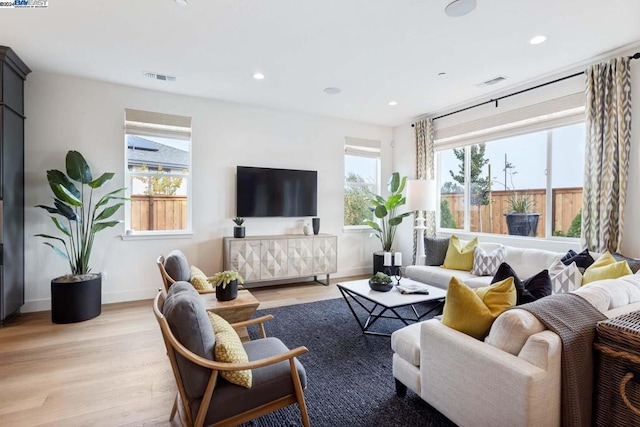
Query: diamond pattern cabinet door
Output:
(300,253)
(325,255)
(245,258)
(273,258)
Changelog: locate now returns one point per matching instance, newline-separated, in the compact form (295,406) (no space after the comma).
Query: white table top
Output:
(393,298)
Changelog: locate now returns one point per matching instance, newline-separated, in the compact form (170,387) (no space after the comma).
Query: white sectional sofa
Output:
(525,262)
(512,378)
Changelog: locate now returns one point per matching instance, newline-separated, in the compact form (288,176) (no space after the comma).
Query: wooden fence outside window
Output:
(158,213)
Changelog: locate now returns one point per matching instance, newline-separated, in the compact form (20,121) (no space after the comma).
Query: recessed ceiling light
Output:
(538,39)
(332,90)
(181,2)
(459,8)
(393,103)
(258,76)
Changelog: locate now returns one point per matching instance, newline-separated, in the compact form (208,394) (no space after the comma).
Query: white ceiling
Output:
(374,50)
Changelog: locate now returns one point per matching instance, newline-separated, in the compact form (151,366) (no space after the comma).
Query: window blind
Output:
(362,147)
(157,124)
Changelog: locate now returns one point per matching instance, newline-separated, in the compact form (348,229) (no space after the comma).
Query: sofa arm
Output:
(474,383)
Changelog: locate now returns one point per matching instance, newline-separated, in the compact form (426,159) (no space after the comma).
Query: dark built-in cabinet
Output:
(13,73)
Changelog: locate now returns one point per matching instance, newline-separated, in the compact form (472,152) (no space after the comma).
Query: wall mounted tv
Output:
(263,192)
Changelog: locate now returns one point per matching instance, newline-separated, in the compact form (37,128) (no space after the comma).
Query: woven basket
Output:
(617,381)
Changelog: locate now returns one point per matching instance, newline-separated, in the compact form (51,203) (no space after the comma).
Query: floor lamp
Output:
(421,196)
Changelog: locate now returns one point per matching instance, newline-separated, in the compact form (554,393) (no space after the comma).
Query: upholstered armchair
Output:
(204,397)
(175,268)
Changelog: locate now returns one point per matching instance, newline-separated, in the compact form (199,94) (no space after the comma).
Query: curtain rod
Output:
(634,56)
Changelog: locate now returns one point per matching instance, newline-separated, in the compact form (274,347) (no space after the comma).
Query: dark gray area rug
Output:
(350,380)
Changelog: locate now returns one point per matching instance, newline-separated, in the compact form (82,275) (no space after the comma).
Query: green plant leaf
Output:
(396,220)
(61,226)
(101,180)
(77,167)
(373,225)
(99,226)
(58,251)
(380,211)
(48,209)
(62,193)
(393,201)
(66,211)
(403,183)
(55,176)
(394,182)
(107,212)
(112,195)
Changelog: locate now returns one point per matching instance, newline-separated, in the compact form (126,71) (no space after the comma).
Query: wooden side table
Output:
(237,310)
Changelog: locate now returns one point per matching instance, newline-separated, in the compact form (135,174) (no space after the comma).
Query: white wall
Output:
(66,113)
(404,154)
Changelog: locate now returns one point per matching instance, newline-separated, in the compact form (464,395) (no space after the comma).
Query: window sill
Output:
(356,229)
(156,235)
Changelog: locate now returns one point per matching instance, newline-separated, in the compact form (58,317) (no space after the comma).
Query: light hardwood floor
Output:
(108,371)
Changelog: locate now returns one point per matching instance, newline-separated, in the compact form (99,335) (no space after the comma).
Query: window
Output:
(361,180)
(528,184)
(158,172)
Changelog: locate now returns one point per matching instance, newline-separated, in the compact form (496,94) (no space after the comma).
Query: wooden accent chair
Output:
(176,263)
(205,399)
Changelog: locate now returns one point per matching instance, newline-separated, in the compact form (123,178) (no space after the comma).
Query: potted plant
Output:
(385,211)
(238,230)
(226,284)
(78,296)
(520,220)
(380,282)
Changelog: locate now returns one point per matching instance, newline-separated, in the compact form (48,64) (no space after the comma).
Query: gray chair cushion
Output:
(269,383)
(188,320)
(177,267)
(435,249)
(634,263)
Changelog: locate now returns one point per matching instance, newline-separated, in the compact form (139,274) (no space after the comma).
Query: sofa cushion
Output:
(472,311)
(189,323)
(406,343)
(583,259)
(199,280)
(634,263)
(486,264)
(605,267)
(527,262)
(229,349)
(435,249)
(177,267)
(564,278)
(512,329)
(535,287)
(459,255)
(477,282)
(622,291)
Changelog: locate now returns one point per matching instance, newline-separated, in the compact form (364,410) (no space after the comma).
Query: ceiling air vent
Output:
(157,76)
(493,81)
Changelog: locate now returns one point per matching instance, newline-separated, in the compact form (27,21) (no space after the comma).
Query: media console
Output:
(269,258)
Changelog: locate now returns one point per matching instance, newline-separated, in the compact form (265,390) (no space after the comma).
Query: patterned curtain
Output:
(424,170)
(608,124)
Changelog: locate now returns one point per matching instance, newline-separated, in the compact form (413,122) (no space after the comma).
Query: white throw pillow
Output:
(564,278)
(486,264)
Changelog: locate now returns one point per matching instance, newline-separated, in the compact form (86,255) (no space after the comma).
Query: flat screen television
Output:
(264,192)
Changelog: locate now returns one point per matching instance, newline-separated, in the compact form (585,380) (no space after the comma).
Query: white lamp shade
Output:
(421,195)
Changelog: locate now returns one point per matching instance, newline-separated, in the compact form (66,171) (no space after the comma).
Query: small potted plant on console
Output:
(226,284)
(380,282)
(238,230)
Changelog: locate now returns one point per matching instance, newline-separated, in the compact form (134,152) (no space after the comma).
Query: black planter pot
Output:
(228,293)
(522,224)
(380,287)
(73,302)
(315,222)
(378,264)
(238,232)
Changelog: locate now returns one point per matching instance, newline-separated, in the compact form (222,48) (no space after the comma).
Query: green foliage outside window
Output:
(446,217)
(161,184)
(574,229)
(357,208)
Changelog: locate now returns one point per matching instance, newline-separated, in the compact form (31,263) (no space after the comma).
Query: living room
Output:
(75,99)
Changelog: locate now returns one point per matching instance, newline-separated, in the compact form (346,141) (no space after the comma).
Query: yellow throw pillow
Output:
(199,280)
(460,257)
(605,267)
(472,311)
(229,349)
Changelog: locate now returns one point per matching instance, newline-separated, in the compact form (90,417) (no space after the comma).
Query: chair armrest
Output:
(257,321)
